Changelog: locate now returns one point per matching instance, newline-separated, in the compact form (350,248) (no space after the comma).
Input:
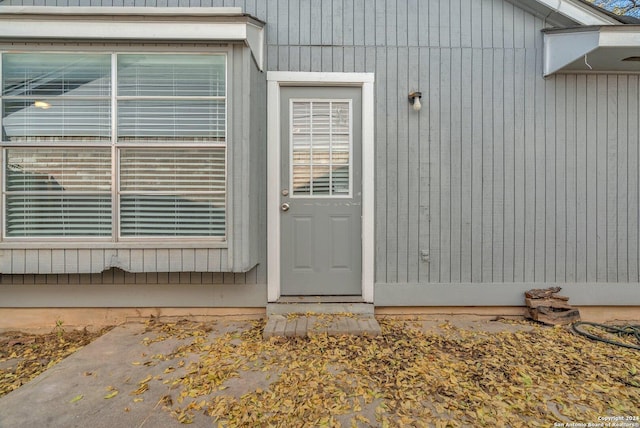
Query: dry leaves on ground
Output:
(24,356)
(405,377)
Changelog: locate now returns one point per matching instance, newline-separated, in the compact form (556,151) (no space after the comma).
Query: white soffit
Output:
(596,49)
(190,24)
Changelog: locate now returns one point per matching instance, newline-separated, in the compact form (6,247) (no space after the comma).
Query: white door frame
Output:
(276,80)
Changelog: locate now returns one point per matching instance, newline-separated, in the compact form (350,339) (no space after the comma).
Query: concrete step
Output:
(308,324)
(319,308)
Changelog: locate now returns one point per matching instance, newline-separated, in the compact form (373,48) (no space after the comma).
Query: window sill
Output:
(138,244)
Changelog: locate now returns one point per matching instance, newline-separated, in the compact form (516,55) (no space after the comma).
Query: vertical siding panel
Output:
(391,38)
(456,125)
(509,102)
(271,9)
(540,172)
(529,166)
(359,22)
(567,194)
(347,22)
(444,35)
(284,23)
(57,261)
(338,59)
(327,59)
(476,166)
(349,59)
(425,167)
(601,168)
(137,260)
(582,172)
(250,7)
(402,31)
(610,122)
(633,218)
(392,165)
(214,261)
(175,260)
(188,260)
(591,189)
(360,59)
(283,64)
(44,261)
(466,169)
(31,261)
(370,23)
(294,58)
(497,22)
(550,181)
(423,16)
(305,58)
(518,26)
(315,21)
(71,261)
(444,149)
(293,23)
(498,166)
(305,25)
(413,170)
(466,18)
(487,164)
(337,23)
(403,163)
(380,23)
(161,258)
(435,187)
(454,23)
(381,173)
(316,58)
(507,25)
(622,267)
(326,15)
(434,23)
(19,261)
(201,260)
(413,24)
(150,259)
(487,23)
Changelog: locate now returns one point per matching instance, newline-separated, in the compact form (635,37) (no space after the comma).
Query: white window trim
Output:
(275,81)
(115,241)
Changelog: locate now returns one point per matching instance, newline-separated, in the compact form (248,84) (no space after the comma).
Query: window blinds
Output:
(54,103)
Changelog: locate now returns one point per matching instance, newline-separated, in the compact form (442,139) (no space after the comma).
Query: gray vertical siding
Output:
(503,177)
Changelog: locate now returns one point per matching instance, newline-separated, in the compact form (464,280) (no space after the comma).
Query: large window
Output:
(114,146)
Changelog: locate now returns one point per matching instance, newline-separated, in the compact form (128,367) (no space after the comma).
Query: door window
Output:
(321,141)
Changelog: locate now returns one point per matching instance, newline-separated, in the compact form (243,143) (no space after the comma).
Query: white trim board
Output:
(139,24)
(276,80)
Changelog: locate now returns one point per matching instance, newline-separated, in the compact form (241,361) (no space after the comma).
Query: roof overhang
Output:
(567,13)
(174,24)
(614,49)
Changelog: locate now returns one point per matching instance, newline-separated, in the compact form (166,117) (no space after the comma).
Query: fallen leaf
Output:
(76,398)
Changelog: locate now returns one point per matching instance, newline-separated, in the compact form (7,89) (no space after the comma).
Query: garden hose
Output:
(626,330)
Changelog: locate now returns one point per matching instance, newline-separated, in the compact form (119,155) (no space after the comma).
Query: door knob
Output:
(284,207)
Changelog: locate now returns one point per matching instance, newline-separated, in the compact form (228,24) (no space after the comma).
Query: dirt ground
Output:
(23,356)
(417,373)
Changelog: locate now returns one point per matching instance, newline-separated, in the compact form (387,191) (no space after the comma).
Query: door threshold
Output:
(320,299)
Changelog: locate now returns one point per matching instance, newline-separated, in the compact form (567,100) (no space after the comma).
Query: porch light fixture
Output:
(414,99)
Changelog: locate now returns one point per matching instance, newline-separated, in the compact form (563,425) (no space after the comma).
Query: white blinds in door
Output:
(320,148)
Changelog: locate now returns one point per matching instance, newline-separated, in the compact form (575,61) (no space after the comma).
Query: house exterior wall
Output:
(505,180)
